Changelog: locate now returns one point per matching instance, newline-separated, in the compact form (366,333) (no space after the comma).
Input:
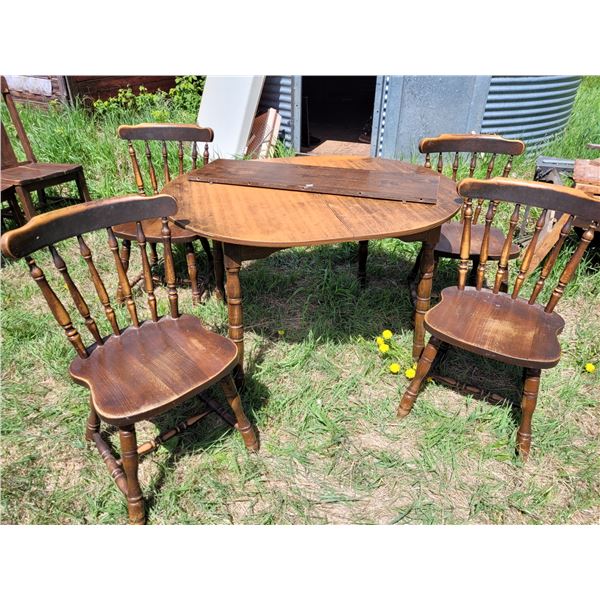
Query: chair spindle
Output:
(490,166)
(180,156)
(455,166)
(165,156)
(569,270)
(205,155)
(170,269)
(194,155)
(507,166)
(440,163)
(123,280)
(529,254)
(485,243)
(428,160)
(78,299)
(503,263)
(86,253)
(473,163)
(551,259)
(148,283)
(58,310)
(139,181)
(151,170)
(465,244)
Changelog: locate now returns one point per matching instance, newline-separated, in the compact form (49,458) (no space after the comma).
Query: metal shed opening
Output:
(336,108)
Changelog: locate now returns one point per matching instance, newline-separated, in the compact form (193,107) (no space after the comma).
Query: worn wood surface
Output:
(278,218)
(587,176)
(383,184)
(343,148)
(171,360)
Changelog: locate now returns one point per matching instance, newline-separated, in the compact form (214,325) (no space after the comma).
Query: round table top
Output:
(282,218)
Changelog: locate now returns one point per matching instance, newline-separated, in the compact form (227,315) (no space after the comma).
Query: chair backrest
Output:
(546,196)
(16,121)
(163,132)
(44,231)
(479,145)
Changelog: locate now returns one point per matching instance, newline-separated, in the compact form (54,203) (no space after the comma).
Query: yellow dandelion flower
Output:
(410,373)
(387,334)
(384,348)
(281,331)
(395,368)
(590,367)
(379,341)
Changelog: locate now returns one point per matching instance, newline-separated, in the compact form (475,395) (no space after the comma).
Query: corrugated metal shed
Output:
(529,108)
(282,92)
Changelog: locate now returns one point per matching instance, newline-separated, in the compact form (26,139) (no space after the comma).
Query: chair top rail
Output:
(533,193)
(58,225)
(168,132)
(470,142)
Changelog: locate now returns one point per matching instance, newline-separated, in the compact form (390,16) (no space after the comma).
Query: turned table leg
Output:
(427,264)
(233,264)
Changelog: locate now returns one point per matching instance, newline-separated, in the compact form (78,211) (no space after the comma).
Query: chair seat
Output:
(147,370)
(496,326)
(32,173)
(449,244)
(152,231)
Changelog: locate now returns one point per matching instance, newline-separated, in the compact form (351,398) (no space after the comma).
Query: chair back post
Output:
(16,120)
(530,194)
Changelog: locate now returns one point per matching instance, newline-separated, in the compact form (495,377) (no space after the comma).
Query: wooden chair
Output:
(30,175)
(140,371)
(499,325)
(476,145)
(164,132)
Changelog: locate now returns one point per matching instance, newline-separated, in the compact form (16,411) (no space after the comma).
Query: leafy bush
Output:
(186,95)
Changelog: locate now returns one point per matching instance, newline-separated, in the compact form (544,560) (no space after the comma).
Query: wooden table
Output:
(254,223)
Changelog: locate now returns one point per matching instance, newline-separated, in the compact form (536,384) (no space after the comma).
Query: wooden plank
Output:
(345,148)
(546,244)
(587,171)
(375,184)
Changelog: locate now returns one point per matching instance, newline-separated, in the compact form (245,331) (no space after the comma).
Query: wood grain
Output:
(319,179)
(277,218)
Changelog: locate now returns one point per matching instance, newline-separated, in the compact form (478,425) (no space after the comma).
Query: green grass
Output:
(320,395)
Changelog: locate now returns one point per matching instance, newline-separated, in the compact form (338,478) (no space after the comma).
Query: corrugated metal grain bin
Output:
(533,109)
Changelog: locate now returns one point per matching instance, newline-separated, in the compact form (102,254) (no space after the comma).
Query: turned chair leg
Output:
(192,266)
(209,255)
(219,267)
(43,200)
(129,456)
(82,187)
(531,386)
(363,253)
(243,425)
(124,255)
(93,425)
(423,367)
